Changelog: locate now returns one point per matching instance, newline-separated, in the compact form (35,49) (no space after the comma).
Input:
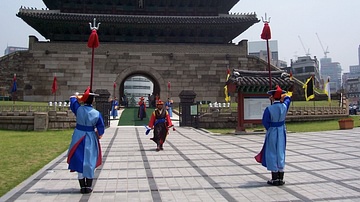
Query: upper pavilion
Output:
(148,21)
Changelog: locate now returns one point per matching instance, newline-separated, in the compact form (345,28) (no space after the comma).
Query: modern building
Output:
(11,49)
(136,87)
(305,67)
(331,70)
(352,90)
(351,83)
(259,49)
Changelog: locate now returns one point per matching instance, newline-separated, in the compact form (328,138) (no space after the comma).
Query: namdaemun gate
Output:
(186,42)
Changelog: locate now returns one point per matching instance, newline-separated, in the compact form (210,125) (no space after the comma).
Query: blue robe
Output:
(114,111)
(84,153)
(273,152)
(168,106)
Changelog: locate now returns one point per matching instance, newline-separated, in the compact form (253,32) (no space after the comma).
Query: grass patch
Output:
(129,117)
(313,126)
(320,103)
(26,152)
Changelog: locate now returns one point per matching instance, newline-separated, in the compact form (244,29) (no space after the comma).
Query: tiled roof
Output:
(131,19)
(259,80)
(105,6)
(219,29)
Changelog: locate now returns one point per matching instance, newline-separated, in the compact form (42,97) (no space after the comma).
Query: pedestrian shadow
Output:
(59,192)
(253,184)
(150,149)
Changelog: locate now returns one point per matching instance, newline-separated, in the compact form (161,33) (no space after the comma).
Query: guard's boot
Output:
(274,179)
(88,185)
(281,178)
(161,144)
(158,147)
(82,186)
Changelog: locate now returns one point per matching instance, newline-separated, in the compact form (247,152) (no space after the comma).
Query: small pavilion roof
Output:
(258,81)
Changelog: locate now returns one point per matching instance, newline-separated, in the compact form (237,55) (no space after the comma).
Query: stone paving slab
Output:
(199,166)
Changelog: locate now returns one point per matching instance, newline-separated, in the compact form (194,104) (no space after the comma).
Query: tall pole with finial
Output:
(93,43)
(266,35)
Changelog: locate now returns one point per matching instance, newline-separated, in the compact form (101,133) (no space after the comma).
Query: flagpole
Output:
(14,95)
(169,84)
(114,89)
(92,68)
(55,100)
(55,89)
(269,67)
(313,84)
(14,89)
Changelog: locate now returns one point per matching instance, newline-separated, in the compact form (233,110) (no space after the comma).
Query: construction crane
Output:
(307,53)
(325,51)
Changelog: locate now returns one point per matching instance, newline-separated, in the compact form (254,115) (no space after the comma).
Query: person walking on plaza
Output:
(142,109)
(160,122)
(84,154)
(272,156)
(168,106)
(114,108)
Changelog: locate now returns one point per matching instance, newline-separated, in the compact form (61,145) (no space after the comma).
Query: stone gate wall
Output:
(197,67)
(37,121)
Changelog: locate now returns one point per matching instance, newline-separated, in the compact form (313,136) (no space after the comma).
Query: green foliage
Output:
(316,126)
(26,152)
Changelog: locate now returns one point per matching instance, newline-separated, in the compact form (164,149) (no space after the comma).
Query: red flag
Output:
(93,41)
(266,33)
(54,85)
(169,84)
(114,84)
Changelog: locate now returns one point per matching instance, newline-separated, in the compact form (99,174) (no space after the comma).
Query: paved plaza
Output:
(198,166)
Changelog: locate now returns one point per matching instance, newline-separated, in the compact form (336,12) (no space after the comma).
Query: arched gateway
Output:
(188,43)
(147,72)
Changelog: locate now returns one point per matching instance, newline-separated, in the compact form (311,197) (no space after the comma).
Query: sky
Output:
(291,21)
